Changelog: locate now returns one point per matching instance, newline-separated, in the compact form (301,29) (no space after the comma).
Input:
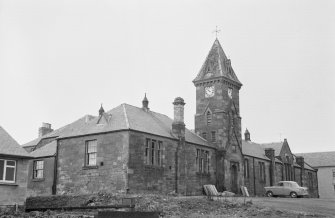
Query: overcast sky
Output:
(60,59)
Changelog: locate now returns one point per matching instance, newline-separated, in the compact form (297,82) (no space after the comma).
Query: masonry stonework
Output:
(110,173)
(43,186)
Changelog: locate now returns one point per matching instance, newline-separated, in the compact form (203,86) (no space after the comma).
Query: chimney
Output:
(270,153)
(178,125)
(300,160)
(145,103)
(44,129)
(247,135)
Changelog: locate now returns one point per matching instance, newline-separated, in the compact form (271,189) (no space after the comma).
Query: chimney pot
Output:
(178,125)
(300,160)
(270,153)
(44,129)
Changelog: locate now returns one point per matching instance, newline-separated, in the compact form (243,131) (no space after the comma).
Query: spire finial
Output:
(145,102)
(101,110)
(216,31)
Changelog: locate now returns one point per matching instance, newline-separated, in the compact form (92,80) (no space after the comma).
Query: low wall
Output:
(62,201)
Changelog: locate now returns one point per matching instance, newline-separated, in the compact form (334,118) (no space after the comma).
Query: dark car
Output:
(286,188)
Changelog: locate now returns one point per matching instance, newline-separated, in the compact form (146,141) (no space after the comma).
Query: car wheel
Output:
(293,195)
(269,194)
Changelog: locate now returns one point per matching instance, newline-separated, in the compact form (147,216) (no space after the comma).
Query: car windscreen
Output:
(294,185)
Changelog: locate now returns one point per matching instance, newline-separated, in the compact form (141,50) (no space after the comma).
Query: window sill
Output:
(9,184)
(38,179)
(153,167)
(90,167)
(203,174)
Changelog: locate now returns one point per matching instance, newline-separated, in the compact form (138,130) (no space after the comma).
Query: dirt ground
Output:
(194,207)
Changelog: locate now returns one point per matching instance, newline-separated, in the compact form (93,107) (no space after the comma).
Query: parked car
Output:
(286,188)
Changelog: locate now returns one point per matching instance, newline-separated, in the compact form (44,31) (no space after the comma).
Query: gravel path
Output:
(312,205)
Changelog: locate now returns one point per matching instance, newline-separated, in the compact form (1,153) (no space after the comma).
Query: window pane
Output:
(39,165)
(39,174)
(10,173)
(92,159)
(10,163)
(91,148)
(2,163)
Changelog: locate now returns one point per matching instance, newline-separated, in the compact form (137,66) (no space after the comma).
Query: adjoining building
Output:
(324,162)
(134,149)
(13,170)
(275,162)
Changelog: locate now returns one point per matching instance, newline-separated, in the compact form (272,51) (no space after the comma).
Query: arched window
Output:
(209,118)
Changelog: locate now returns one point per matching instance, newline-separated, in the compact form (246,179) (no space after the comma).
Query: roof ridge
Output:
(267,143)
(150,111)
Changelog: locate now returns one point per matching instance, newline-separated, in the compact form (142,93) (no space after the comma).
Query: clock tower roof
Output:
(217,65)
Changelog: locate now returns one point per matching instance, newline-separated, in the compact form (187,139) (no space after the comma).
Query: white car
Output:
(286,188)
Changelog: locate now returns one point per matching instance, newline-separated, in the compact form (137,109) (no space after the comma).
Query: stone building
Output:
(267,164)
(13,170)
(134,149)
(324,162)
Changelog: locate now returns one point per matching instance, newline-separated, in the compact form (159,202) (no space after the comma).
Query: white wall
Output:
(326,182)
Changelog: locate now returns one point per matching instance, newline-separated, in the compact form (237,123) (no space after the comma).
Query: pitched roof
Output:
(253,149)
(8,145)
(277,146)
(217,65)
(319,159)
(61,131)
(46,150)
(126,116)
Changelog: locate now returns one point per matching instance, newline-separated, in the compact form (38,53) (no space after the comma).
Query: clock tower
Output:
(217,117)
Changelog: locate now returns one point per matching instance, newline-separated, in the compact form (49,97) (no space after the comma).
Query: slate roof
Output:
(319,159)
(275,145)
(61,131)
(8,145)
(128,117)
(217,65)
(253,149)
(45,151)
(122,117)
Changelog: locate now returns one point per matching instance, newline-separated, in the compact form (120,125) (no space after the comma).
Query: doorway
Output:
(233,176)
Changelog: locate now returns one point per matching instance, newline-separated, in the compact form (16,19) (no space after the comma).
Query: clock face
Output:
(209,91)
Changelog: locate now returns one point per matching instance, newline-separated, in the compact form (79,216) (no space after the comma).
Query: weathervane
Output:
(216,31)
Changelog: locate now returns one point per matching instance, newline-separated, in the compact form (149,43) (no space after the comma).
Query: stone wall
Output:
(73,177)
(279,173)
(297,175)
(311,182)
(42,186)
(249,181)
(15,193)
(162,179)
(254,183)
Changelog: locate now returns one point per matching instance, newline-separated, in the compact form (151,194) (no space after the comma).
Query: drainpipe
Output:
(317,184)
(253,168)
(176,167)
(54,185)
